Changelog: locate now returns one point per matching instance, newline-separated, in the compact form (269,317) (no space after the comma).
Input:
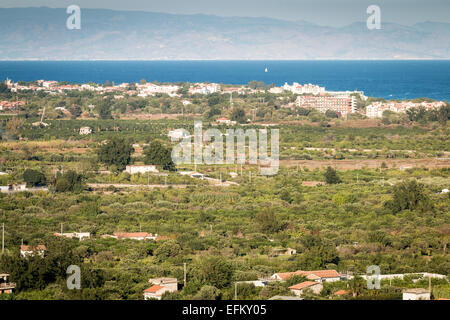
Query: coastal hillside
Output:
(41,33)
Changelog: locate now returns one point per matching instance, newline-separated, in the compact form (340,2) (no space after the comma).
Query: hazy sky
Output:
(323,12)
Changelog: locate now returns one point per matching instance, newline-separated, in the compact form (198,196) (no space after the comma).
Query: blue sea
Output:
(387,79)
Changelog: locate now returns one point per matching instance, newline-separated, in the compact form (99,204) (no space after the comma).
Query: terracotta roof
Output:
(303,285)
(341,292)
(153,289)
(285,275)
(132,234)
(312,275)
(321,273)
(31,248)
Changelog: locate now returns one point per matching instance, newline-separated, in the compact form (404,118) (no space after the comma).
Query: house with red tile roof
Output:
(154,292)
(30,251)
(316,275)
(160,285)
(299,288)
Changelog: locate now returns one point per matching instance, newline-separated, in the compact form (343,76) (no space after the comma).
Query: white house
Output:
(178,134)
(85,130)
(133,169)
(416,294)
(30,251)
(160,285)
(193,174)
(79,235)
(225,121)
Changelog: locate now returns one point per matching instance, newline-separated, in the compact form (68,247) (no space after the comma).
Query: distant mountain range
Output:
(41,33)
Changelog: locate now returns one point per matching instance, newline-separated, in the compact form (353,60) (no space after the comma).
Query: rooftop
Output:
(303,285)
(153,289)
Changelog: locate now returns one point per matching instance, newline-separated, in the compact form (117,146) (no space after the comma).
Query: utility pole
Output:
(429,283)
(184,282)
(3,238)
(61,228)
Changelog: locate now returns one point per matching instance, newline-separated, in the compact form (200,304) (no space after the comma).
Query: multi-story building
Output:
(341,105)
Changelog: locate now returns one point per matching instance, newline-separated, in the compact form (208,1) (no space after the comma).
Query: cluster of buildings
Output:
(204,88)
(77,235)
(150,89)
(376,109)
(297,88)
(11,105)
(315,280)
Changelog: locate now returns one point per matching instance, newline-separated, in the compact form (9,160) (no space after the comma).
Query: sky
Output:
(322,12)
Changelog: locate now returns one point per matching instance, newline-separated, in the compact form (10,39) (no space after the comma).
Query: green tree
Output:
(331,114)
(75,110)
(208,293)
(409,195)
(104,110)
(157,154)
(238,115)
(331,176)
(116,151)
(213,99)
(4,88)
(443,114)
(70,181)
(213,270)
(34,178)
(268,221)
(167,249)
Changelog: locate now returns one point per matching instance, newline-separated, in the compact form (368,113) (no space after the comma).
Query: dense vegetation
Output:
(385,215)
